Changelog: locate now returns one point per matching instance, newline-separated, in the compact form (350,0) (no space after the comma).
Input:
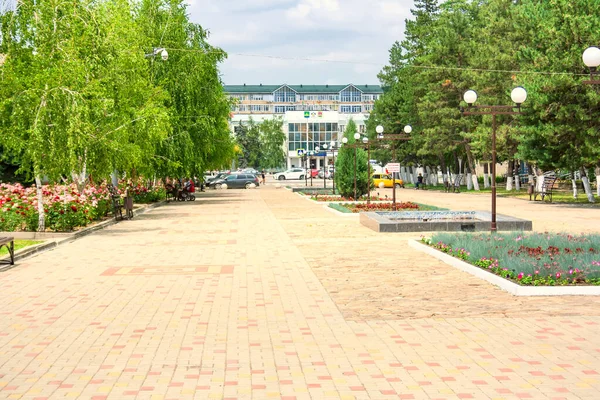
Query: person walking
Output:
(262,175)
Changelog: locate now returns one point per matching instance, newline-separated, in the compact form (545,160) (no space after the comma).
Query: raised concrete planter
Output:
(510,287)
(382,222)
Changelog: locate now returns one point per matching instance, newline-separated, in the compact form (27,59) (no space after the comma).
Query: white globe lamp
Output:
(470,97)
(591,57)
(518,95)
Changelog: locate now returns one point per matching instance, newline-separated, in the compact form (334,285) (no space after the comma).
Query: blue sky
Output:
(356,34)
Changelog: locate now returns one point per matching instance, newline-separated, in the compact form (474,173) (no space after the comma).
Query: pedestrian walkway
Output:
(260,294)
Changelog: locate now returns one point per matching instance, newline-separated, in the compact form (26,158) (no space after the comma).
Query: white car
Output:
(293,173)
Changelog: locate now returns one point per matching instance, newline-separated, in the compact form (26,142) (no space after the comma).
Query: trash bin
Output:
(128,204)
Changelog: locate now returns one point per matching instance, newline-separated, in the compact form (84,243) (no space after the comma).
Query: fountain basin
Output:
(440,221)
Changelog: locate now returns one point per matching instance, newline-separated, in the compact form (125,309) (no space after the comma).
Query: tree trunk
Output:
(40,205)
(444,169)
(509,175)
(574,185)
(486,177)
(472,168)
(517,175)
(597,173)
(115,178)
(530,172)
(587,186)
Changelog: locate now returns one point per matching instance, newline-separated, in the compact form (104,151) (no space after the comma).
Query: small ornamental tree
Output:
(344,166)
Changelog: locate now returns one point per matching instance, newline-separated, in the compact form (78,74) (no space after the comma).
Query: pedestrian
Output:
(419,181)
(262,175)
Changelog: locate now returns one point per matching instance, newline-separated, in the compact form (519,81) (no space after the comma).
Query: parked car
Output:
(326,173)
(237,181)
(313,172)
(293,173)
(209,182)
(387,181)
(249,171)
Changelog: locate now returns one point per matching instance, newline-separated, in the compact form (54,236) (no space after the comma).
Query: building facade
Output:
(313,115)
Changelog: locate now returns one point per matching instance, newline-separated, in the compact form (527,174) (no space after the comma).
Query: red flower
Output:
(74,208)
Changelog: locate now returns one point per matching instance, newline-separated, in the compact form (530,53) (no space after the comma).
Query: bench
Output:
(454,186)
(117,204)
(546,189)
(9,243)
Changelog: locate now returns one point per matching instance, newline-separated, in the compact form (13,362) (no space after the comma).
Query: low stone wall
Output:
(381,222)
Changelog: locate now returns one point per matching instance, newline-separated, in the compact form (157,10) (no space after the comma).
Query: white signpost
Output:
(393,167)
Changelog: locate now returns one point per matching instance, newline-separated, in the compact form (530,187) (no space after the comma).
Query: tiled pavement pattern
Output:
(261,294)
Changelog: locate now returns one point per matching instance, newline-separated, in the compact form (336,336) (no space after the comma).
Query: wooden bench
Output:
(546,189)
(9,243)
(454,186)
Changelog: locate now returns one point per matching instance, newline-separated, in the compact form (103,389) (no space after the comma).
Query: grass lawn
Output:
(19,244)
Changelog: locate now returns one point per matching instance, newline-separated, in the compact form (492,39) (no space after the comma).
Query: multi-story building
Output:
(313,115)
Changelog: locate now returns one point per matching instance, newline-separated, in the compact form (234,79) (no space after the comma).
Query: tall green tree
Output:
(272,140)
(198,108)
(75,95)
(351,165)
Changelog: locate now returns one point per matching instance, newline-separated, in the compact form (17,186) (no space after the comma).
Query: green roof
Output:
(300,88)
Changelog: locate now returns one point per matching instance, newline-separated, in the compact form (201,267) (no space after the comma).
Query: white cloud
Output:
(356,31)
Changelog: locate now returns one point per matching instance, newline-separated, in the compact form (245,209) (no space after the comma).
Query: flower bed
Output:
(387,206)
(536,259)
(324,198)
(65,207)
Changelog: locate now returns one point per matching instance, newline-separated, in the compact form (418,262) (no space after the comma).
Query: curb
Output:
(55,242)
(506,285)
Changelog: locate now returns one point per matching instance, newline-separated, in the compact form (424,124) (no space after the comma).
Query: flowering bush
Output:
(538,259)
(319,197)
(64,206)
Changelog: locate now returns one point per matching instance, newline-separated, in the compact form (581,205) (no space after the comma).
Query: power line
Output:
(434,67)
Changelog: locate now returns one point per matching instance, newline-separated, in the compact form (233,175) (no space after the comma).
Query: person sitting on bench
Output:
(419,181)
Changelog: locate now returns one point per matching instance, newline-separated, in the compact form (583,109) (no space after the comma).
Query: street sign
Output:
(300,152)
(306,114)
(393,167)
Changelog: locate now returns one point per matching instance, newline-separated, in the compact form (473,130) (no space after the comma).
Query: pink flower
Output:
(558,275)
(520,276)
(537,272)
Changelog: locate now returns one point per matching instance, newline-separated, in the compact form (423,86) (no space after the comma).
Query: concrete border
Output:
(55,239)
(504,284)
(379,222)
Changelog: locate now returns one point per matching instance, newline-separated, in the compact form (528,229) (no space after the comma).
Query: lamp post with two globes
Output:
(407,129)
(518,96)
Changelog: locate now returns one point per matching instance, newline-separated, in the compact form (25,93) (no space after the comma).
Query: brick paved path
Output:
(262,294)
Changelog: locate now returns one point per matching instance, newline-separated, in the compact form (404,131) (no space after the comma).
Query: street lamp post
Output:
(333,146)
(368,145)
(324,160)
(518,96)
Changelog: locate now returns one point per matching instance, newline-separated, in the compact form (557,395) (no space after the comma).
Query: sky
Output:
(354,35)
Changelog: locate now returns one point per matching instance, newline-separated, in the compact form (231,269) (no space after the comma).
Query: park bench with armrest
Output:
(9,243)
(454,186)
(545,190)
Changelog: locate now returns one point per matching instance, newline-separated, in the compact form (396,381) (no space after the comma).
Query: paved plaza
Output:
(262,294)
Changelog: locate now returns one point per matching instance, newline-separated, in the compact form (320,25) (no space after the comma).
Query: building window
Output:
(319,133)
(279,109)
(356,109)
(285,95)
(351,95)
(345,109)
